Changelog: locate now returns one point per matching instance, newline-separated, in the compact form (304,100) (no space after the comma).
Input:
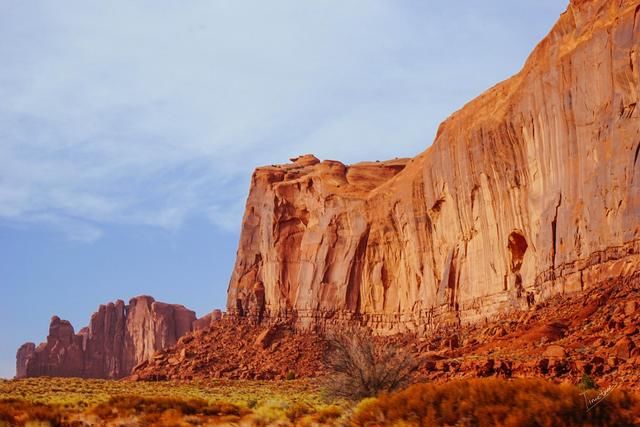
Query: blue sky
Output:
(129,129)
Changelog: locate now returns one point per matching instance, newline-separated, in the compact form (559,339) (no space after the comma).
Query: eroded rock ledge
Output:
(530,190)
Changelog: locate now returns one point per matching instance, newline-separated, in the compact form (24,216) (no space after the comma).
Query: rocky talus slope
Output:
(595,332)
(118,337)
(238,349)
(530,190)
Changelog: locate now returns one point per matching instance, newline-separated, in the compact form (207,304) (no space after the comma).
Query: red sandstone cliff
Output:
(118,337)
(529,190)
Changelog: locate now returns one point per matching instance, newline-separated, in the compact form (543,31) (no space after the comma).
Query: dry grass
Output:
(165,410)
(20,412)
(70,401)
(75,392)
(481,402)
(495,402)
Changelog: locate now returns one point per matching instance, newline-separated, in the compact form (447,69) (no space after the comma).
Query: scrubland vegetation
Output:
(360,367)
(72,401)
(478,402)
(497,402)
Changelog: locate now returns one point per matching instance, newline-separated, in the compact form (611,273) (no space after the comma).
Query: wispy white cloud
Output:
(155,112)
(227,216)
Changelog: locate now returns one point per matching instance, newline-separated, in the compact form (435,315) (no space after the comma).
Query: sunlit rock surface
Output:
(531,189)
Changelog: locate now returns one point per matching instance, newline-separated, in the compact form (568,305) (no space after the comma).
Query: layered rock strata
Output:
(530,190)
(118,337)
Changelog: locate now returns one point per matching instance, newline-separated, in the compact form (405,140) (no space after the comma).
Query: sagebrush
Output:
(361,367)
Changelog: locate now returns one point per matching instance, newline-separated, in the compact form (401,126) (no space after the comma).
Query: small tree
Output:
(363,367)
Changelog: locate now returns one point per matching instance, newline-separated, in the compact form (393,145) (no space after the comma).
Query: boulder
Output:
(584,367)
(622,348)
(630,307)
(265,338)
(555,352)
(485,368)
(453,342)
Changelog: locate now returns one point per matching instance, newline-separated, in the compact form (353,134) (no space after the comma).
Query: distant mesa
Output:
(119,337)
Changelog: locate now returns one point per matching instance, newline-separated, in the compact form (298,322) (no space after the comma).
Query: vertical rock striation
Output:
(118,337)
(529,190)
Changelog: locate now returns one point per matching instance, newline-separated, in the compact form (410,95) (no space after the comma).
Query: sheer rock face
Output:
(531,189)
(24,352)
(119,337)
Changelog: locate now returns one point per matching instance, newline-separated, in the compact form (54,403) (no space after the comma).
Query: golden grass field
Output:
(71,401)
(479,402)
(83,392)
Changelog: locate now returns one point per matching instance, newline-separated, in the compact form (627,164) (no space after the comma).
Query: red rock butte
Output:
(118,338)
(530,190)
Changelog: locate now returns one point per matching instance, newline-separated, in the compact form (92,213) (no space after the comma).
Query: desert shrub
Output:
(222,408)
(362,368)
(496,402)
(7,416)
(270,413)
(20,412)
(326,415)
(298,410)
(156,406)
(587,383)
(168,418)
